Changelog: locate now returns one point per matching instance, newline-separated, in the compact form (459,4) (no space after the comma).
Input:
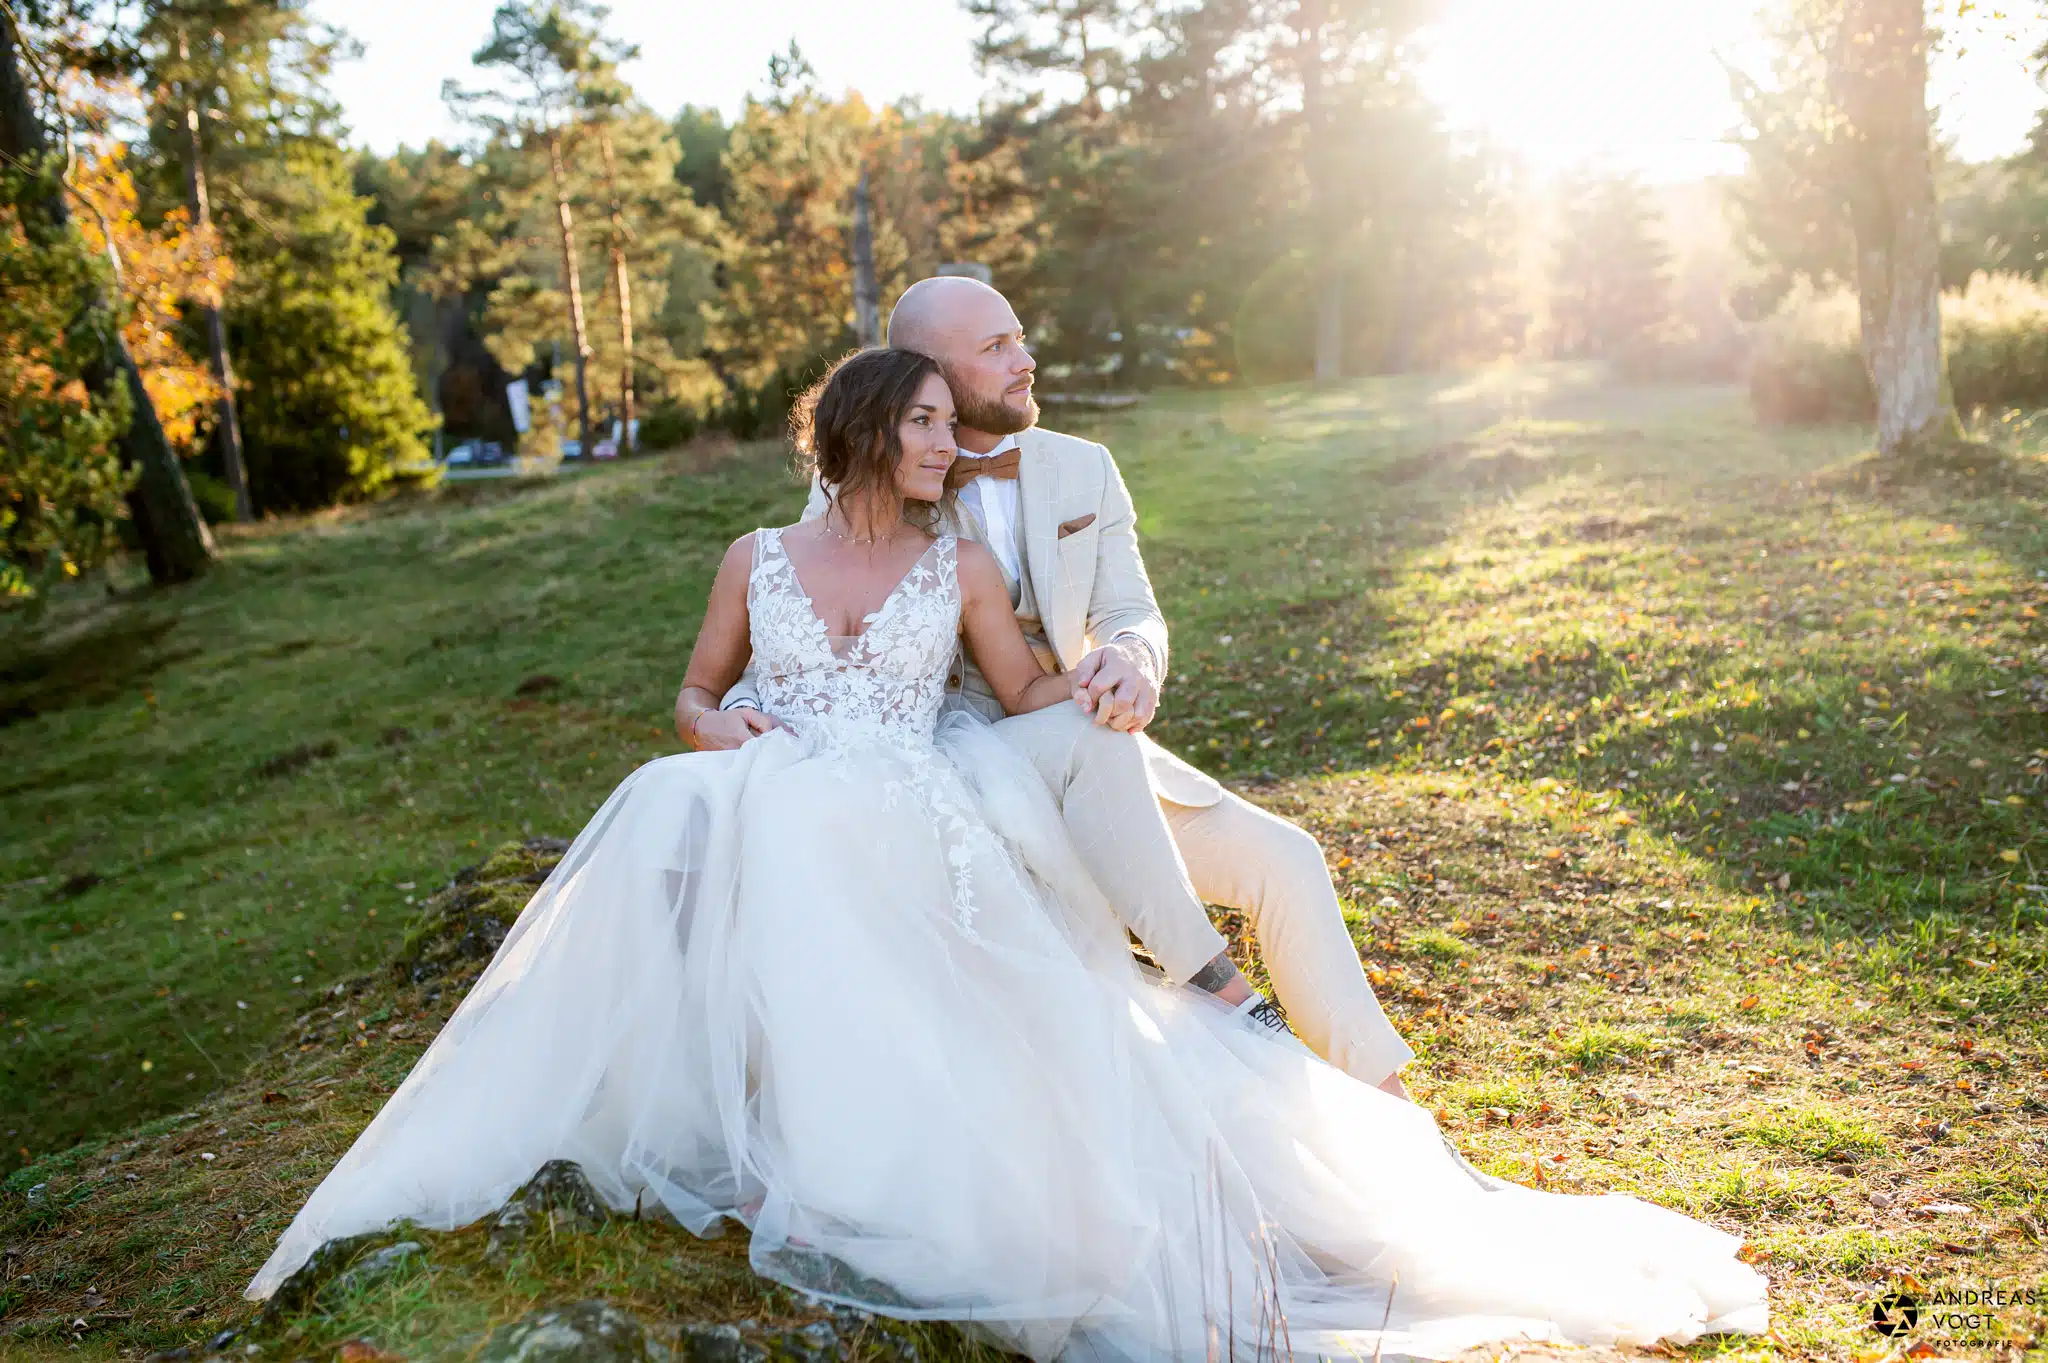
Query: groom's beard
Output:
(978,412)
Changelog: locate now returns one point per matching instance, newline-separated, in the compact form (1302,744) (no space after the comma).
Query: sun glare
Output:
(1640,86)
(1618,81)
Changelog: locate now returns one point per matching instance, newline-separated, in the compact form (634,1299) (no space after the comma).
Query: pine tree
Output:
(648,219)
(332,410)
(546,51)
(1225,187)
(327,405)
(793,163)
(701,139)
(637,250)
(201,88)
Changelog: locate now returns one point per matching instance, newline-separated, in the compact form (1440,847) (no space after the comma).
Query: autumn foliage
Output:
(162,270)
(61,482)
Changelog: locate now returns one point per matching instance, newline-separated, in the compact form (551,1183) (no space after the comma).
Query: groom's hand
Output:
(1115,685)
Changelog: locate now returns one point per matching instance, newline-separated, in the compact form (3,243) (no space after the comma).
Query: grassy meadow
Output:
(1684,781)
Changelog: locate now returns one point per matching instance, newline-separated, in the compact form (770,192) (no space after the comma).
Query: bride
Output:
(848,985)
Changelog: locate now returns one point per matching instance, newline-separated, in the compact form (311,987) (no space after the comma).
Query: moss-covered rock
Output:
(340,1261)
(581,1332)
(558,1198)
(464,922)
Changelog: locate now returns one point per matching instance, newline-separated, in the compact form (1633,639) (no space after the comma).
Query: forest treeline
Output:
(1241,190)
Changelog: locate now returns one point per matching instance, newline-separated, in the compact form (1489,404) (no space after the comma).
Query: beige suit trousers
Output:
(1160,862)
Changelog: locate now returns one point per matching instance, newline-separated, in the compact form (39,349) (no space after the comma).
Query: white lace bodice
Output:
(892,674)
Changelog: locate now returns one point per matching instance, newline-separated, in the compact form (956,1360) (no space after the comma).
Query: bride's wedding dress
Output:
(849,985)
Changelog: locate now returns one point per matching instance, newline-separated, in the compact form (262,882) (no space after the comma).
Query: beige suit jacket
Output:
(1080,539)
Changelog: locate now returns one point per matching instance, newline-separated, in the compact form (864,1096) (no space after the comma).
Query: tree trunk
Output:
(1400,350)
(216,329)
(1325,268)
(867,303)
(175,541)
(1880,80)
(622,280)
(572,280)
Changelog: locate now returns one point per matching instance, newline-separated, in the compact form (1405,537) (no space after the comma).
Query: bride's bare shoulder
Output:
(738,558)
(978,572)
(975,557)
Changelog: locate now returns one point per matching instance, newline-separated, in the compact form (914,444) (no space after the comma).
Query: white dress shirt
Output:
(993,502)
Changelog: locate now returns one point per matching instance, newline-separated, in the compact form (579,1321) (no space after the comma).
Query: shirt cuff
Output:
(1158,670)
(737,701)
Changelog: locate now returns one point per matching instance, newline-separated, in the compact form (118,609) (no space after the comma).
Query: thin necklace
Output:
(836,533)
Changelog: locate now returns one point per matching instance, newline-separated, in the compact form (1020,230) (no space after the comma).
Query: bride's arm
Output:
(993,636)
(716,661)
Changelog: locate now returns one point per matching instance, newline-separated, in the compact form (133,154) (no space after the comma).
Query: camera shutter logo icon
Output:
(1895,1313)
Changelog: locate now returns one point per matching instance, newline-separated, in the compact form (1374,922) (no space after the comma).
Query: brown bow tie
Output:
(967,468)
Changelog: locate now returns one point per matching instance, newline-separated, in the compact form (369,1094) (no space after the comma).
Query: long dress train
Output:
(849,986)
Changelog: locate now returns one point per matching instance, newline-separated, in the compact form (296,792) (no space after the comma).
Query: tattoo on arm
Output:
(1215,975)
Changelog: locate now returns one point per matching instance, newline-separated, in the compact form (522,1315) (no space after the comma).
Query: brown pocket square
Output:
(1078,523)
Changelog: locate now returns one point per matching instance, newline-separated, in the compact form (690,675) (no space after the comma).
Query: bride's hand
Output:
(724,730)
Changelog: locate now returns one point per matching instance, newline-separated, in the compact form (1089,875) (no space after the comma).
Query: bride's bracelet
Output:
(692,733)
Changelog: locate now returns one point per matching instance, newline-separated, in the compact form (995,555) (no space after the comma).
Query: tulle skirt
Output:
(851,988)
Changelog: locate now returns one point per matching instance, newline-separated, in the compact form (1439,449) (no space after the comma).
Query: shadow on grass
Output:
(87,668)
(1794,662)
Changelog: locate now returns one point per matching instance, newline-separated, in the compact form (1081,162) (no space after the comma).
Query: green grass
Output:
(1683,781)
(1816,1133)
(400,638)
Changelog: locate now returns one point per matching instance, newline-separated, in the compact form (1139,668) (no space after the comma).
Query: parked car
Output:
(572,449)
(461,456)
(491,454)
(605,449)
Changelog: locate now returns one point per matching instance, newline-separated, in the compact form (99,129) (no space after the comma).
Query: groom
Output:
(1160,837)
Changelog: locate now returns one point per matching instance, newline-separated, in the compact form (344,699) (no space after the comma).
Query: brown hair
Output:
(845,425)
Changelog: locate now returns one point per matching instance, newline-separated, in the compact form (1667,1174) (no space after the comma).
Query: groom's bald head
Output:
(974,334)
(932,314)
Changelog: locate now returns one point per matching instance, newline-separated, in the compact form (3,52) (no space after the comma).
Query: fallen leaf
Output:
(363,1351)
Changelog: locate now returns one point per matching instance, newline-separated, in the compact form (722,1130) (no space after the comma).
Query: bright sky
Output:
(691,53)
(1634,82)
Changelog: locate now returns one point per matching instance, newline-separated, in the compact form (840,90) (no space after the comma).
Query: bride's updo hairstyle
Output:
(845,425)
